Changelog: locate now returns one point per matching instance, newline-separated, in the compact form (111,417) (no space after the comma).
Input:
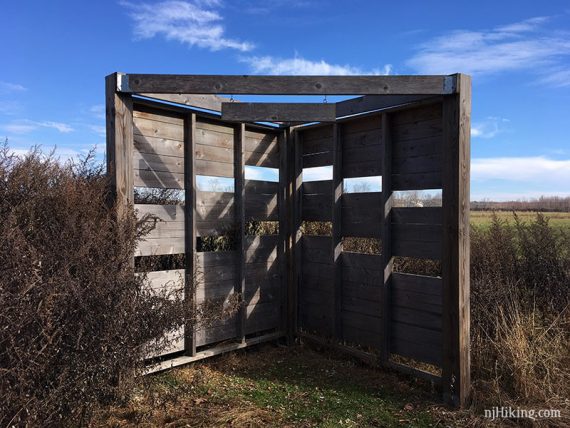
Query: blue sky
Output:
(56,53)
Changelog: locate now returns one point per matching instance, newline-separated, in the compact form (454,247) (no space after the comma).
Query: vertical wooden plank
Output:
(119,114)
(337,230)
(239,197)
(295,185)
(283,252)
(456,253)
(190,228)
(386,224)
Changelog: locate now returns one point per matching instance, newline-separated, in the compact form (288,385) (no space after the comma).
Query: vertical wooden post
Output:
(239,198)
(386,224)
(119,113)
(283,251)
(456,252)
(190,229)
(337,230)
(295,187)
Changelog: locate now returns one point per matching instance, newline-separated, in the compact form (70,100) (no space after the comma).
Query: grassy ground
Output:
(557,219)
(278,386)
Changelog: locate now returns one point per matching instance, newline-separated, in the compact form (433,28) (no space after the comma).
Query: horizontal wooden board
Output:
(416,342)
(262,316)
(416,317)
(214,169)
(154,128)
(160,246)
(213,153)
(317,159)
(261,207)
(158,163)
(260,249)
(158,146)
(361,214)
(260,186)
(317,249)
(259,274)
(414,215)
(213,290)
(158,179)
(291,85)
(208,335)
(205,260)
(421,284)
(318,187)
(316,207)
(279,112)
(417,164)
(374,102)
(214,228)
(416,240)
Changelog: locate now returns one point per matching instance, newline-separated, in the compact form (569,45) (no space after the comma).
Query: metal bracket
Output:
(123,83)
(450,84)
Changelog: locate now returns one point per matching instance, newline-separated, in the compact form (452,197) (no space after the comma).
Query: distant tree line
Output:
(544,203)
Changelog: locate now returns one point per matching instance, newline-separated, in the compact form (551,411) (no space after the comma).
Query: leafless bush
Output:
(75,320)
(520,296)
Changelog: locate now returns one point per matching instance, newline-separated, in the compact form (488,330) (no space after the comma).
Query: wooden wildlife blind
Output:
(164,131)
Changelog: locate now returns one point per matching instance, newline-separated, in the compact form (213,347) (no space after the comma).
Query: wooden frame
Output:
(412,130)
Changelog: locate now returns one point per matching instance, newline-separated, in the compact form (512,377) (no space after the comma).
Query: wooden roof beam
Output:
(286,85)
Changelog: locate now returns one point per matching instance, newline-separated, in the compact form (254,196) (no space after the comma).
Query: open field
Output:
(559,220)
(278,386)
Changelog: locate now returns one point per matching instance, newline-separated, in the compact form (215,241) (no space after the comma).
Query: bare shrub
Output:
(520,296)
(76,321)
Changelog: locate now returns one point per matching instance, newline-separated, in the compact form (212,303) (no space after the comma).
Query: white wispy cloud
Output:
(300,66)
(488,128)
(533,169)
(195,23)
(98,129)
(97,111)
(525,45)
(26,126)
(8,87)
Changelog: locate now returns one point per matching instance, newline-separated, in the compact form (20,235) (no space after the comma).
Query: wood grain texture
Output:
(387,238)
(456,245)
(239,196)
(279,112)
(289,85)
(190,217)
(119,115)
(208,102)
(337,232)
(374,102)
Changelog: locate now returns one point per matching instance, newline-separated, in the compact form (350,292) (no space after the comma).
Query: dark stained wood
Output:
(361,214)
(282,208)
(289,85)
(456,250)
(282,112)
(318,187)
(317,207)
(207,102)
(387,242)
(337,233)
(119,114)
(417,215)
(190,228)
(239,197)
(375,102)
